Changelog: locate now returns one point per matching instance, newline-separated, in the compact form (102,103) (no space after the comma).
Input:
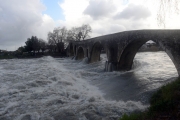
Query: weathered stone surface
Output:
(122,47)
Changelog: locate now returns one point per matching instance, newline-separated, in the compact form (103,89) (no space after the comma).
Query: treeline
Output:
(57,41)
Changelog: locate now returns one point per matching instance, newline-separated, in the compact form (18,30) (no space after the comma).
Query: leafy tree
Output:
(21,49)
(43,44)
(29,44)
(32,44)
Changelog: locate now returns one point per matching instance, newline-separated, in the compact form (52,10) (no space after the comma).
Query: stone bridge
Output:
(122,47)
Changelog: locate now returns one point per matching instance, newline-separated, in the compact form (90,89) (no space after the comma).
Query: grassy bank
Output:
(7,57)
(27,56)
(164,105)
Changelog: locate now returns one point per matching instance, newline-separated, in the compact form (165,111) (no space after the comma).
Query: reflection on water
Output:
(61,88)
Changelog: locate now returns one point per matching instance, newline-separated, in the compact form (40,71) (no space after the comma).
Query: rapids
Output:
(63,89)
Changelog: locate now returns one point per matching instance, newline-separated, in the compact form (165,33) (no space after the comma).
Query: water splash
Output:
(49,88)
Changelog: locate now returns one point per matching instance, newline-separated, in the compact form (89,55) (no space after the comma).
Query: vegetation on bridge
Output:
(164,105)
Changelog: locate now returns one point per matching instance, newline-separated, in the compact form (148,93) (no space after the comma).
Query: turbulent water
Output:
(63,89)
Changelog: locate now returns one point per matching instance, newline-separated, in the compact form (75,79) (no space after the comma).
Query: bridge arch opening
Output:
(80,53)
(127,56)
(126,60)
(97,49)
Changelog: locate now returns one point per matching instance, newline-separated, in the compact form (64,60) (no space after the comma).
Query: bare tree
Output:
(166,6)
(57,37)
(73,34)
(85,30)
(79,33)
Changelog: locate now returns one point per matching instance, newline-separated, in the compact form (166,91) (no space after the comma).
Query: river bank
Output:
(164,104)
(30,55)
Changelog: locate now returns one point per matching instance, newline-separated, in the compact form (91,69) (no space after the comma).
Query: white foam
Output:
(46,87)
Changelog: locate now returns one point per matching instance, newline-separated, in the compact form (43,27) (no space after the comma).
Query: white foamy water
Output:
(63,89)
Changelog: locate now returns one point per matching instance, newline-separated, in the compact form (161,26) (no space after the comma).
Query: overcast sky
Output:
(20,19)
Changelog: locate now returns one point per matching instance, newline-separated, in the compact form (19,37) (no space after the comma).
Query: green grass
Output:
(6,56)
(163,103)
(133,116)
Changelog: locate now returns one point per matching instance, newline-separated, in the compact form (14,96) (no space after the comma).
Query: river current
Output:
(64,89)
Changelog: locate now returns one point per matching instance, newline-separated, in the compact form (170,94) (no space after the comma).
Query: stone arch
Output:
(95,52)
(129,52)
(80,53)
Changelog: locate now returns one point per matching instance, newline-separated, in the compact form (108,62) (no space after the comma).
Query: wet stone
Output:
(92,99)
(4,118)
(60,102)
(65,115)
(26,117)
(54,102)
(92,116)
(43,82)
(75,96)
(46,118)
(32,84)
(21,87)
(54,79)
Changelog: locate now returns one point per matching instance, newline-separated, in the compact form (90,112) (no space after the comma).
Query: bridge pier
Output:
(122,47)
(109,66)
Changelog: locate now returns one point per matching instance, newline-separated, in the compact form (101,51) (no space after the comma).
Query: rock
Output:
(65,115)
(26,117)
(92,116)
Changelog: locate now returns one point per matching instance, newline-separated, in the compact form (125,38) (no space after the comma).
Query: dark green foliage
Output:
(42,44)
(131,117)
(6,56)
(32,44)
(21,49)
(164,102)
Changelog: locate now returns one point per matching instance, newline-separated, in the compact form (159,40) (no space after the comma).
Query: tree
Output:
(57,38)
(73,34)
(32,44)
(43,44)
(79,33)
(85,30)
(166,6)
(29,45)
(21,49)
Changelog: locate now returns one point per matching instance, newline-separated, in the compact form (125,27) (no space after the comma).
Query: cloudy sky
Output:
(20,19)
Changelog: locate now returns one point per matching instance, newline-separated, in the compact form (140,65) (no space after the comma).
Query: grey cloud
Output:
(134,12)
(99,8)
(109,29)
(19,20)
